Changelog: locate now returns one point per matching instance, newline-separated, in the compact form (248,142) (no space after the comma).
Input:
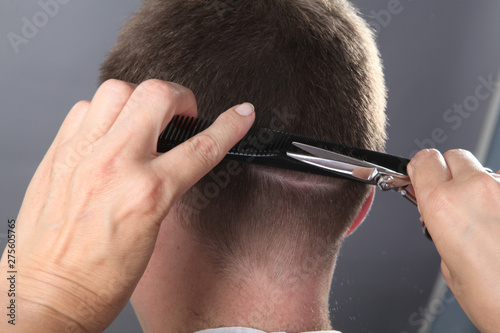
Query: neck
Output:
(181,292)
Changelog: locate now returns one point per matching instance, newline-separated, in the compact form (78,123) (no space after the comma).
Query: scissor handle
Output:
(407,195)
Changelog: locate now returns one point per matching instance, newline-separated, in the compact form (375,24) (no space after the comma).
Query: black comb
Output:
(267,147)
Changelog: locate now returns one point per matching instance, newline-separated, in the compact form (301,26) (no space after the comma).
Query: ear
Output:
(362,213)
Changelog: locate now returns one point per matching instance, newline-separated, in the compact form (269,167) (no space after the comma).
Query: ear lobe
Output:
(362,213)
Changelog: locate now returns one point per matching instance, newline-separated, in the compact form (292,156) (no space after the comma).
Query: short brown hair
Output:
(310,67)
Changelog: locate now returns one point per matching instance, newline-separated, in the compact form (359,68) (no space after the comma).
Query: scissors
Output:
(385,179)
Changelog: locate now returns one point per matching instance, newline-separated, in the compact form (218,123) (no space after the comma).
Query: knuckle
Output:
(205,148)
(426,153)
(433,153)
(81,106)
(455,152)
(438,199)
(421,158)
(116,86)
(484,183)
(160,88)
(98,173)
(152,198)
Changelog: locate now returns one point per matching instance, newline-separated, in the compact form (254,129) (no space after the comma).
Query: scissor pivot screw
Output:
(385,183)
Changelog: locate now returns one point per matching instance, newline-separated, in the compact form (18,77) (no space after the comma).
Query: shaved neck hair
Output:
(310,68)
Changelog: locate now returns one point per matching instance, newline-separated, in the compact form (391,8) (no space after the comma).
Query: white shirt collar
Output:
(249,330)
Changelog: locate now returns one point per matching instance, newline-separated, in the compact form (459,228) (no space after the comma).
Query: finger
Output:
(446,273)
(427,171)
(462,163)
(67,130)
(72,122)
(148,110)
(108,102)
(184,165)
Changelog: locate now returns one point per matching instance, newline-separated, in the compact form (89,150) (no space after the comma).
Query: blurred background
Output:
(440,60)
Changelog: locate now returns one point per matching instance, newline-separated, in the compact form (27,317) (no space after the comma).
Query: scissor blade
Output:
(366,175)
(330,155)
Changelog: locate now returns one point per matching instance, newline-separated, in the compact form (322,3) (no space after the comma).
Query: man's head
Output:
(310,67)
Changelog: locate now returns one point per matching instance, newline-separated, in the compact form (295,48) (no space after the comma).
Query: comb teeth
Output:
(257,142)
(180,129)
(261,142)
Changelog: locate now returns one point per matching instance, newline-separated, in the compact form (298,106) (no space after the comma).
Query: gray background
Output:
(433,51)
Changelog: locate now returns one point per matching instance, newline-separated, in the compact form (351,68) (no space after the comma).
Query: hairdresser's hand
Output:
(460,204)
(92,211)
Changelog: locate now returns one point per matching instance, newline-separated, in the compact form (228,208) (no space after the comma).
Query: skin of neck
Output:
(180,291)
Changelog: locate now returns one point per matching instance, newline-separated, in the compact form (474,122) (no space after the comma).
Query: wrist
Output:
(36,317)
(47,303)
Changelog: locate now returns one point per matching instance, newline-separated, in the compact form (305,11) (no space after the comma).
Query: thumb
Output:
(184,165)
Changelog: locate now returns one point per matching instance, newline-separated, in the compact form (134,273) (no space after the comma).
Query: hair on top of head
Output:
(310,67)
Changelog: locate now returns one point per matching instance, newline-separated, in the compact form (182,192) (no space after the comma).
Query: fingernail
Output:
(245,109)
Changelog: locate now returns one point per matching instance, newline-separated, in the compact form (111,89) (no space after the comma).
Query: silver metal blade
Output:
(364,174)
(330,155)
